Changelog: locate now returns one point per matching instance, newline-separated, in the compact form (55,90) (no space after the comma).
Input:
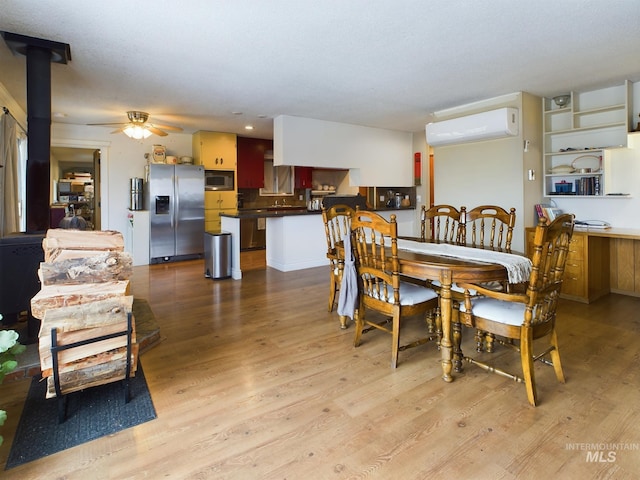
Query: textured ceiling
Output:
(386,64)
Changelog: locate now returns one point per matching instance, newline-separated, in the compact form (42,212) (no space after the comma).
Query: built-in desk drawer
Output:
(586,273)
(573,283)
(576,248)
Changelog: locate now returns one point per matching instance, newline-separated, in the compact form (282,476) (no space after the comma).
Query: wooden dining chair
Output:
(445,224)
(375,248)
(337,224)
(488,226)
(441,223)
(521,318)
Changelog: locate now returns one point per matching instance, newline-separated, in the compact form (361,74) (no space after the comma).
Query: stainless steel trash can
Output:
(217,254)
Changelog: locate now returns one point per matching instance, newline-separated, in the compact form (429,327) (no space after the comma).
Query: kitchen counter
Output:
(289,211)
(269,212)
(391,209)
(295,238)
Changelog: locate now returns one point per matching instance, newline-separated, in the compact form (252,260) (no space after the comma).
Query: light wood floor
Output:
(255,380)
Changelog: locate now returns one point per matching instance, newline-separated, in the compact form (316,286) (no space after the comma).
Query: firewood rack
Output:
(55,348)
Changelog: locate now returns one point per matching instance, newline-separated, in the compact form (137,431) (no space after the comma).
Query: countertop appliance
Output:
(136,193)
(219,180)
(175,196)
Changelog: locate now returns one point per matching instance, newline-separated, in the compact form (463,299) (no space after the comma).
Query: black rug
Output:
(91,413)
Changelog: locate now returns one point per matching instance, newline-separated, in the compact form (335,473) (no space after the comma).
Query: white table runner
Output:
(518,267)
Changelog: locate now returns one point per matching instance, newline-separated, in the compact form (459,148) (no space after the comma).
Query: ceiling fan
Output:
(138,128)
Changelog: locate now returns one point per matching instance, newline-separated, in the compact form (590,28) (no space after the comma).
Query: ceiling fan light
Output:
(137,132)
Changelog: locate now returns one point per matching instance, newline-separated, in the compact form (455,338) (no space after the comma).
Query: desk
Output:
(600,261)
(448,270)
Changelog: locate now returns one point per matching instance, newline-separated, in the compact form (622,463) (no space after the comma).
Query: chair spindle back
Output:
(489,226)
(441,223)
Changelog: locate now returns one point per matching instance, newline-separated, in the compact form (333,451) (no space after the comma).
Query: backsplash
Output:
(251,198)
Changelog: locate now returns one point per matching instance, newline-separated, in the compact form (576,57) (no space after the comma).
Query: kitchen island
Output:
(295,237)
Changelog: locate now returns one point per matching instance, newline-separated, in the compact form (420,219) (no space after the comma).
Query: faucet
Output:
(284,202)
(276,202)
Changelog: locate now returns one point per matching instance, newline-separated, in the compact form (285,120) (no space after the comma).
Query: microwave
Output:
(219,180)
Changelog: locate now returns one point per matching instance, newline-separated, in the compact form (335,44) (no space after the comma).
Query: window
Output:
(22,180)
(278,180)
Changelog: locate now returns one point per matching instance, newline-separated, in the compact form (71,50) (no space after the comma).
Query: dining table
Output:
(450,264)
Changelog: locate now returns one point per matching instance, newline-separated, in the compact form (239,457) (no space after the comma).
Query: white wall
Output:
(491,172)
(375,156)
(422,191)
(7,100)
(496,172)
(121,159)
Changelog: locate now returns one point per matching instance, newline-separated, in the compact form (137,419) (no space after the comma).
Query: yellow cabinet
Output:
(215,150)
(220,200)
(216,203)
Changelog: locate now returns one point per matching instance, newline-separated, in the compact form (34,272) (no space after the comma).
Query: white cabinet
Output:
(296,242)
(582,135)
(137,238)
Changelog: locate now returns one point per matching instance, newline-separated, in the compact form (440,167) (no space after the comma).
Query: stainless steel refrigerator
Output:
(175,196)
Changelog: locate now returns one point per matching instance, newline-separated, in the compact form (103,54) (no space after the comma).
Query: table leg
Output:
(445,311)
(457,351)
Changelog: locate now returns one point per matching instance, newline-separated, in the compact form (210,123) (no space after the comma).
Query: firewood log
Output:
(84,322)
(105,267)
(91,375)
(60,239)
(56,296)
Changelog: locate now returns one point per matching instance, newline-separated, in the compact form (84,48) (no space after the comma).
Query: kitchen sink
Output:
(274,208)
(285,207)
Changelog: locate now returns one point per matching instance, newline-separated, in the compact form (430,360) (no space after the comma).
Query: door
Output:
(96,190)
(189,204)
(161,211)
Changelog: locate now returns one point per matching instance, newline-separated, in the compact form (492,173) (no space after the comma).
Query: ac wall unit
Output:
(499,123)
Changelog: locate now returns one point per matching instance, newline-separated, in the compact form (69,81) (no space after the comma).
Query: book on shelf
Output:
(587,186)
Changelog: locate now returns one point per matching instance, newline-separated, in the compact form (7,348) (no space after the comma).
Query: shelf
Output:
(608,108)
(556,195)
(574,174)
(570,131)
(571,195)
(581,151)
(323,192)
(594,124)
(558,110)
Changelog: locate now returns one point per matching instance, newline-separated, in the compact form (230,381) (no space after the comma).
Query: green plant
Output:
(9,348)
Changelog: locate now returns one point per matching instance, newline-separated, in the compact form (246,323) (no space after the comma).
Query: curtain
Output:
(9,201)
